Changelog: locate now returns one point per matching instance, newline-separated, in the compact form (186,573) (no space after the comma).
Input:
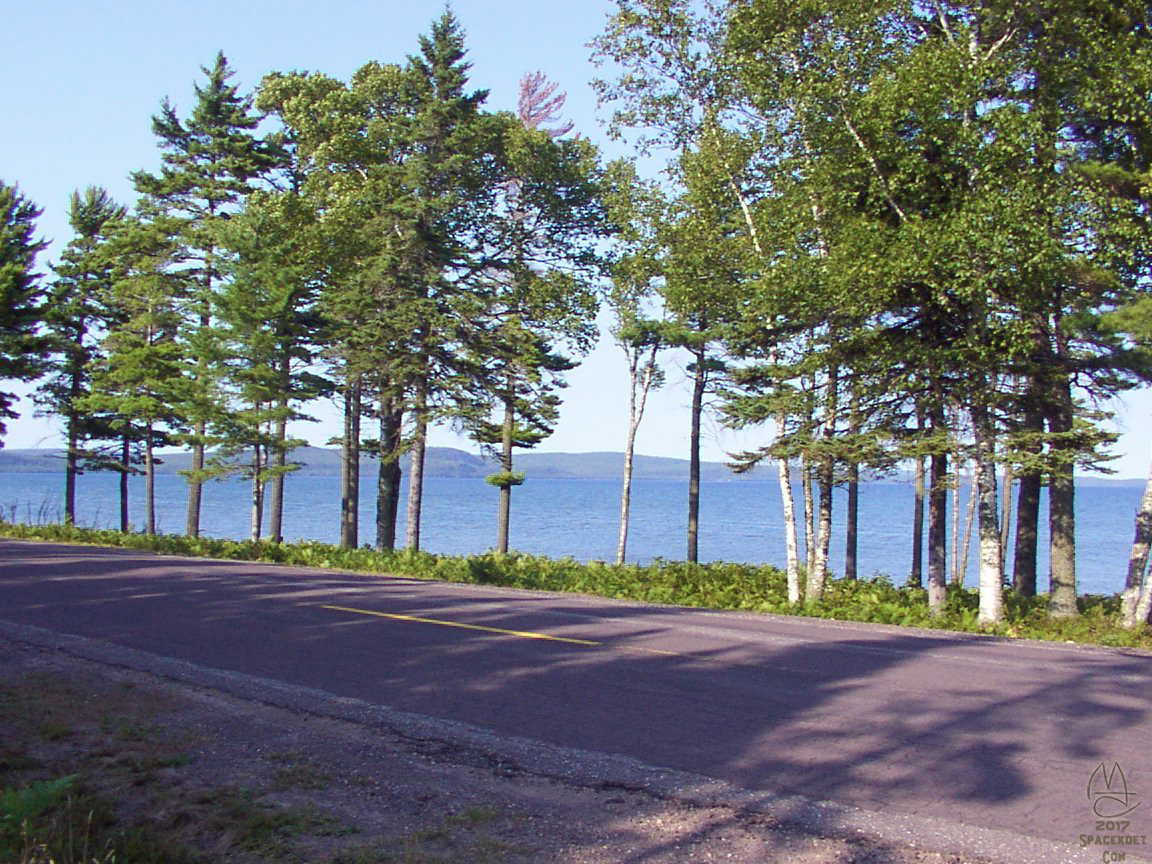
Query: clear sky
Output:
(79,83)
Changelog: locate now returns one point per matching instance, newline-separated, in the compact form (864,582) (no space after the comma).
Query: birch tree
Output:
(634,210)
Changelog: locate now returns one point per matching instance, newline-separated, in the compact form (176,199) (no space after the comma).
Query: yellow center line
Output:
(522,634)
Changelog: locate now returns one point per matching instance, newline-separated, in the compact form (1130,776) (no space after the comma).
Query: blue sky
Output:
(79,83)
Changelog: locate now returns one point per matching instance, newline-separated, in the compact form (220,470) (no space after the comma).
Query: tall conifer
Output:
(78,312)
(22,346)
(143,373)
(210,162)
(537,247)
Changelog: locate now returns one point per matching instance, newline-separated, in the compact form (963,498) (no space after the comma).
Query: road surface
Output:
(973,731)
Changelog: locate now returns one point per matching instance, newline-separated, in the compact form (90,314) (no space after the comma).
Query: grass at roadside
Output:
(95,771)
(754,588)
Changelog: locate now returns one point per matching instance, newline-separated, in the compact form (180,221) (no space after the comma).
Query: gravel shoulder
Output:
(233,769)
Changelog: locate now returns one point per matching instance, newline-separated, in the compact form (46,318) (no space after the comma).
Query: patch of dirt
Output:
(239,781)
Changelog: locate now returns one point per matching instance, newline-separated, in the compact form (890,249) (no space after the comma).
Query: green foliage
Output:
(506,479)
(20,808)
(80,304)
(211,161)
(22,348)
(141,373)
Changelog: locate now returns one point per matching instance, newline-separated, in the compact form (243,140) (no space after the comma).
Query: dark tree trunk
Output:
(852,517)
(200,427)
(1027,534)
(195,485)
(809,513)
(1062,507)
(852,512)
(388,479)
(916,577)
(71,470)
(125,464)
(504,516)
(149,483)
(698,385)
(75,392)
(350,469)
(1028,509)
(279,456)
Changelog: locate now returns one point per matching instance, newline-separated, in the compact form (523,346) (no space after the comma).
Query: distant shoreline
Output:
(441,462)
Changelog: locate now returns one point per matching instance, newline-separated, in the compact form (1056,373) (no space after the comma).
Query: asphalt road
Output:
(979,732)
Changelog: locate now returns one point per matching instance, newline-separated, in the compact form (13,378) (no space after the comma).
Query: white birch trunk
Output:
(791,540)
(788,501)
(1137,594)
(818,572)
(991,580)
(638,398)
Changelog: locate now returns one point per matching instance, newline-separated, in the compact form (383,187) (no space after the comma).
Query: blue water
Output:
(739,521)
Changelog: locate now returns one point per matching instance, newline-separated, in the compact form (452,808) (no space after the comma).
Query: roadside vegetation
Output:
(106,769)
(90,778)
(719,585)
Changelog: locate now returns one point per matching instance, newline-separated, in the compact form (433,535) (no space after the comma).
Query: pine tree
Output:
(447,203)
(143,374)
(265,322)
(77,313)
(22,345)
(210,162)
(537,246)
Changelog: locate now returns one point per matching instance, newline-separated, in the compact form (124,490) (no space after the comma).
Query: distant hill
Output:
(452,462)
(441,462)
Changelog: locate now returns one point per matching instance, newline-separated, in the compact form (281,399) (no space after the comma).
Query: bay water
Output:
(739,521)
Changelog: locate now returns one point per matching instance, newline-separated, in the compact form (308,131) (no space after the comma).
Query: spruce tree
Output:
(446,201)
(78,311)
(394,161)
(265,321)
(22,345)
(704,268)
(210,163)
(540,306)
(143,374)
